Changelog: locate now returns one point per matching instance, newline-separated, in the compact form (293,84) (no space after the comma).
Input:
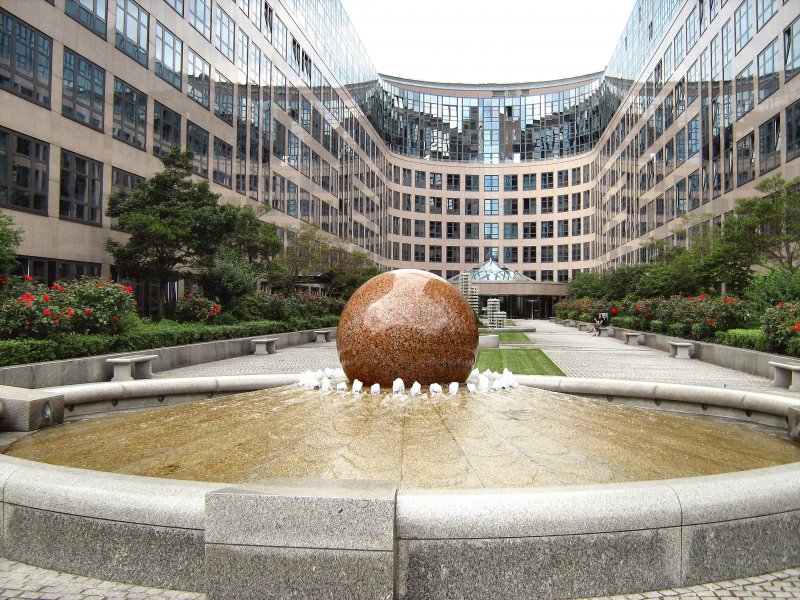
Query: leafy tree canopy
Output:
(10,239)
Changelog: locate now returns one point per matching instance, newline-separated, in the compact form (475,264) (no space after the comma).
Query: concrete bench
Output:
(323,335)
(631,338)
(265,346)
(606,331)
(584,326)
(559,321)
(569,323)
(681,349)
(785,376)
(128,367)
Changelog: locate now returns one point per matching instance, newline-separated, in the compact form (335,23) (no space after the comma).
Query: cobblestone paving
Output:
(18,580)
(577,354)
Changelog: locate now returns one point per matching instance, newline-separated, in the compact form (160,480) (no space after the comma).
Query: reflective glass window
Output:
(25,60)
(169,56)
(24,171)
(130,114)
(90,13)
(133,24)
(81,188)
(83,94)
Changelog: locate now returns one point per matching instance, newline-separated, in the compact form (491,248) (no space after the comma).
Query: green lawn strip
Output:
(519,362)
(510,323)
(510,337)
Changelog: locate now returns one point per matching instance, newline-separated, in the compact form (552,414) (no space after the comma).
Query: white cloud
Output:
(489,42)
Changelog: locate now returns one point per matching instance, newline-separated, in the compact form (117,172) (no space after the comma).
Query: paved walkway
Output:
(577,355)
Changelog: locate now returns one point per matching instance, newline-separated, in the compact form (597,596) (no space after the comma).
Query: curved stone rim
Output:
(478,533)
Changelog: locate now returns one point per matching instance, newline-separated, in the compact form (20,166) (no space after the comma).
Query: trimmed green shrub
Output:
(624,322)
(657,326)
(750,339)
(17,352)
(76,345)
(793,346)
(680,330)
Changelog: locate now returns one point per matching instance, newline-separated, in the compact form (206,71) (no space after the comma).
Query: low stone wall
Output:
(373,540)
(94,368)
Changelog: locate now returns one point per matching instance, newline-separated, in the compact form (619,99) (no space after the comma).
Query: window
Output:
(529,206)
(453,206)
(547,229)
(745,159)
(563,228)
(510,231)
(510,254)
(453,183)
(130,114)
(419,204)
(24,164)
(435,205)
(198,77)
(491,253)
(169,56)
(419,179)
(764,11)
(435,229)
(510,206)
(576,226)
(769,145)
(691,29)
(529,230)
(25,59)
(81,196)
(471,231)
(563,203)
(225,34)
(744,25)
(491,207)
(197,144)
(680,147)
(471,183)
(547,205)
(563,274)
(793,131)
(529,254)
(509,183)
(200,16)
(177,5)
(435,182)
(166,128)
(223,97)
(679,47)
(83,97)
(576,176)
(529,181)
(453,231)
(693,137)
(547,181)
(419,252)
(791,49)
(453,254)
(472,206)
(491,183)
(563,253)
(223,163)
(768,80)
(89,13)
(132,30)
(563,178)
(547,256)
(491,231)
(744,91)
(471,254)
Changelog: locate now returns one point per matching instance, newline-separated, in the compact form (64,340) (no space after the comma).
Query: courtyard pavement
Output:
(577,354)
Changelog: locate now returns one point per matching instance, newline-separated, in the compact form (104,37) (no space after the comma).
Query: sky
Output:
(464,41)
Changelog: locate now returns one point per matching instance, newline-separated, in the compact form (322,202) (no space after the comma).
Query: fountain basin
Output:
(554,542)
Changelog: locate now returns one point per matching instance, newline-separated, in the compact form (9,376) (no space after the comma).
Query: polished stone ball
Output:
(409,324)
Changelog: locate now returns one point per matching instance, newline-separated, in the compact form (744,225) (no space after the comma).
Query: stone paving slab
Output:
(577,354)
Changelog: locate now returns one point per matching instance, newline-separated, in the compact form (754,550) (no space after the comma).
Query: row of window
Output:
(491,183)
(473,255)
(491,231)
(491,206)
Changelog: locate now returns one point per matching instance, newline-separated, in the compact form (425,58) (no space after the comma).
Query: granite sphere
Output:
(409,324)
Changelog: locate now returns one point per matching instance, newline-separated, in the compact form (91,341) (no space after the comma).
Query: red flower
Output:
(115,318)
(690,298)
(28,278)
(780,304)
(709,321)
(55,321)
(211,313)
(46,312)
(702,296)
(87,312)
(638,308)
(70,312)
(129,289)
(54,286)
(614,311)
(3,279)
(797,327)
(46,298)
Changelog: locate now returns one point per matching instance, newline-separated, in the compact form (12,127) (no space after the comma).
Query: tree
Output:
(306,253)
(173,223)
(584,285)
(10,239)
(243,258)
(768,227)
(349,270)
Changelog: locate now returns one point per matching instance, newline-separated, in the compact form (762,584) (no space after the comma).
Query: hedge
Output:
(15,352)
(751,339)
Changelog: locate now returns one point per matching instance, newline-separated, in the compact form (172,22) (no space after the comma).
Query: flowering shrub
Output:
(194,308)
(780,325)
(82,306)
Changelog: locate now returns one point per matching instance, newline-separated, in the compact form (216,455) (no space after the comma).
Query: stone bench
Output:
(128,367)
(265,346)
(584,326)
(631,338)
(322,335)
(606,331)
(488,341)
(785,376)
(681,349)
